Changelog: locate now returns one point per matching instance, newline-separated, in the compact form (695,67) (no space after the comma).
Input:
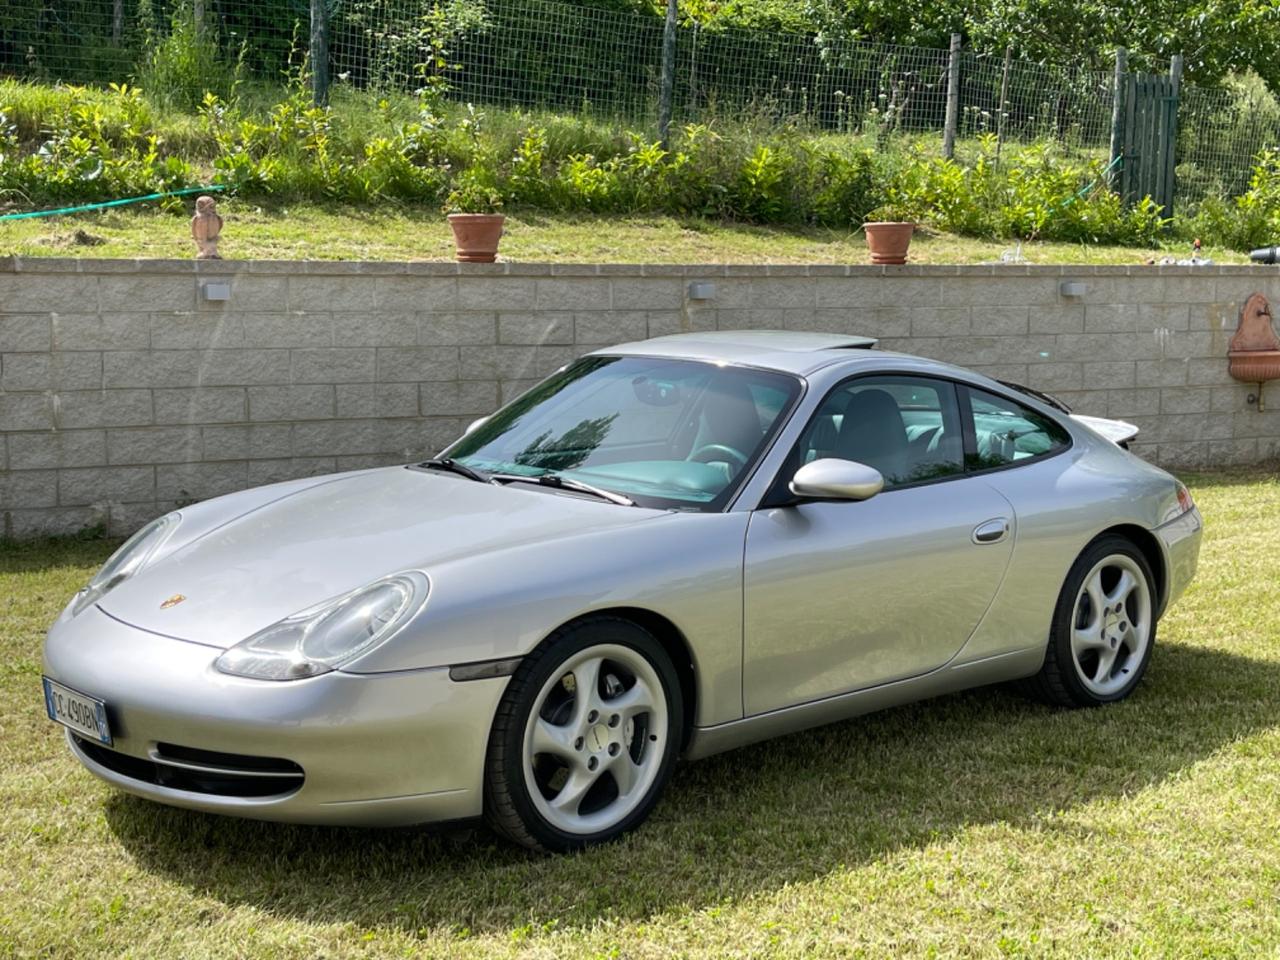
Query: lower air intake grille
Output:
(201,771)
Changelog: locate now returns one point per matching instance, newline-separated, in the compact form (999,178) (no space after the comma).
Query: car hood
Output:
(327,539)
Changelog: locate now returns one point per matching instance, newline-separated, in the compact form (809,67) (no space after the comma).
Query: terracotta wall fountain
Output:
(1254,351)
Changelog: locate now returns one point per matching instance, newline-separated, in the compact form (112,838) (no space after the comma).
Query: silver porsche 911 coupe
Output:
(668,548)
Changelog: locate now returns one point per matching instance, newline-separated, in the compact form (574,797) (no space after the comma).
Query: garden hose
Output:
(1115,162)
(111,203)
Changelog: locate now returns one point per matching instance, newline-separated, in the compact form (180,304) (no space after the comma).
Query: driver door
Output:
(843,595)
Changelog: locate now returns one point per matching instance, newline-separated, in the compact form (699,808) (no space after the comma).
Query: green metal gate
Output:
(1146,134)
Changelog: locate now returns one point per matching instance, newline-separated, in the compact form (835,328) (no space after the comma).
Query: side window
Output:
(908,428)
(1005,432)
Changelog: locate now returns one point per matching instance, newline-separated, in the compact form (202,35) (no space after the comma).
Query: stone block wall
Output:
(125,390)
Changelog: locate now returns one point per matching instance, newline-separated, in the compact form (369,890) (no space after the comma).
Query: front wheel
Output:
(585,737)
(1104,627)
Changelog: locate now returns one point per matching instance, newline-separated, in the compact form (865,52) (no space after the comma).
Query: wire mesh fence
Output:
(1024,102)
(549,54)
(546,54)
(533,54)
(79,40)
(101,41)
(1221,133)
(828,84)
(554,55)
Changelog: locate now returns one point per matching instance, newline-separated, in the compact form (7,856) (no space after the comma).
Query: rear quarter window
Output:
(1006,432)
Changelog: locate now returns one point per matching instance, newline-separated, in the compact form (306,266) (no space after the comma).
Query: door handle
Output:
(991,531)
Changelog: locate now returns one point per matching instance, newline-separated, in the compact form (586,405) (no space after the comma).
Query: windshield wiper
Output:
(453,466)
(564,483)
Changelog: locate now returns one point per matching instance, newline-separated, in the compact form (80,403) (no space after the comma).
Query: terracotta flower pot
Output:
(476,236)
(889,241)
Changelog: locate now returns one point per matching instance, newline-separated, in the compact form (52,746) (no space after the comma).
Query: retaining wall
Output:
(125,390)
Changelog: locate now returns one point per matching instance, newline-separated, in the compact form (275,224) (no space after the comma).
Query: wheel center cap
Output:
(598,738)
(1113,620)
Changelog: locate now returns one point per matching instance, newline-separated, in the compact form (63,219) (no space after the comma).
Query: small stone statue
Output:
(205,227)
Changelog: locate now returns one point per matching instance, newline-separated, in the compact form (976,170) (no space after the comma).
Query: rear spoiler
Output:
(1119,432)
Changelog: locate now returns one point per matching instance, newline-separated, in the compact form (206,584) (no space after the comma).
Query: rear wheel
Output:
(1104,627)
(585,737)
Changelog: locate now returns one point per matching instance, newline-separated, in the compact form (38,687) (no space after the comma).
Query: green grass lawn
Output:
(978,824)
(392,232)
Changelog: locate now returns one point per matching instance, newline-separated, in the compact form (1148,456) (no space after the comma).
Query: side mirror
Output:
(831,479)
(473,425)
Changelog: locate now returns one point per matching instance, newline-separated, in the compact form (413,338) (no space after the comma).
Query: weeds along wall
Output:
(126,392)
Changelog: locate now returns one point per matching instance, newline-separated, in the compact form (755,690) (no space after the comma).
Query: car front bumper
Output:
(374,749)
(1180,540)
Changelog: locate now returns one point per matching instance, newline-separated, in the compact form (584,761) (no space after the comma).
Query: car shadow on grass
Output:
(742,823)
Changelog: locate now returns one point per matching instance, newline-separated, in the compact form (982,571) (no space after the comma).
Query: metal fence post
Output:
(1004,99)
(318,55)
(666,92)
(1171,135)
(1117,116)
(953,100)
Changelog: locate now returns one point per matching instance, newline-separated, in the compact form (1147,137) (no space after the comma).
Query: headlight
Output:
(131,558)
(323,637)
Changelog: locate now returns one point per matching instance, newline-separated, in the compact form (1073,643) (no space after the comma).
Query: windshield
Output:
(667,433)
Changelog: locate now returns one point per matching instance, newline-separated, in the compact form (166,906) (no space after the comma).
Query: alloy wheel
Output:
(594,741)
(1111,625)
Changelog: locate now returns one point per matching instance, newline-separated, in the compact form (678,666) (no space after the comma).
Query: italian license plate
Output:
(84,715)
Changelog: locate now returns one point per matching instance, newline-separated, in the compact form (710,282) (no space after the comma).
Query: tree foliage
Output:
(1216,37)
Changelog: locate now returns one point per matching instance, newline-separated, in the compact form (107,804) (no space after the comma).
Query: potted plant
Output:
(472,208)
(889,230)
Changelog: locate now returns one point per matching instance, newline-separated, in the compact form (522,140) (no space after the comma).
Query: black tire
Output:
(1058,681)
(508,806)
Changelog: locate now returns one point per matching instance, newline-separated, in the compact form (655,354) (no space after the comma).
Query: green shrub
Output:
(295,154)
(527,181)
(695,181)
(582,183)
(948,196)
(388,171)
(475,191)
(844,188)
(90,153)
(1037,195)
(759,193)
(1249,220)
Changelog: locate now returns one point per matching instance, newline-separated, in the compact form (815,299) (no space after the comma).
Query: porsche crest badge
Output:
(173,601)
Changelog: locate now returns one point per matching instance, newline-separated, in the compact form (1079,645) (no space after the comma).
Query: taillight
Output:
(1185,502)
